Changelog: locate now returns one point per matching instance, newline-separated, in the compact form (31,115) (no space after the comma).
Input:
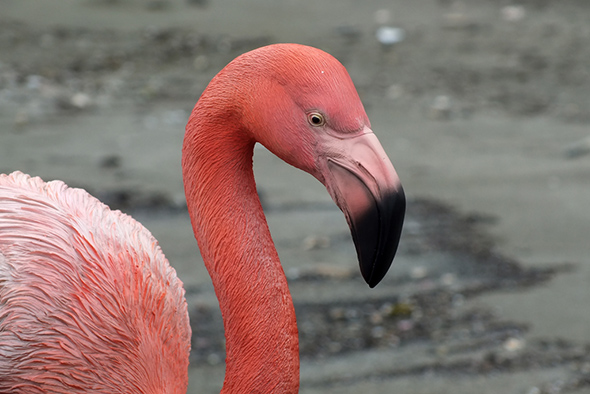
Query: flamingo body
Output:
(88,302)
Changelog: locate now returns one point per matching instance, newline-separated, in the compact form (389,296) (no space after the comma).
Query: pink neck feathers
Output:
(234,239)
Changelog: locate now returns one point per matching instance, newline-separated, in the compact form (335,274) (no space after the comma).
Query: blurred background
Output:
(483,107)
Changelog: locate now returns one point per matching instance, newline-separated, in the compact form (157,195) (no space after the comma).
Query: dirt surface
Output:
(483,108)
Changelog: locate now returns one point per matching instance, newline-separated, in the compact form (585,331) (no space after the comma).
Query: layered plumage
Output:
(88,301)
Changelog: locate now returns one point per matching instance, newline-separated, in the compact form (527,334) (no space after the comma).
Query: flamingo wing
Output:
(88,301)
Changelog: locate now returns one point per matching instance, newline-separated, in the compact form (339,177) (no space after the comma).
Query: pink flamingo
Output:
(89,303)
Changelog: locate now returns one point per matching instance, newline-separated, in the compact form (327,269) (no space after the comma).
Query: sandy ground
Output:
(483,110)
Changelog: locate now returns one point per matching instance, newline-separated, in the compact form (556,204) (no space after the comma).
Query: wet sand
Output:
(490,290)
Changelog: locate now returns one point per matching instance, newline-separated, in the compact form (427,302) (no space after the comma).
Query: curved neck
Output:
(229,224)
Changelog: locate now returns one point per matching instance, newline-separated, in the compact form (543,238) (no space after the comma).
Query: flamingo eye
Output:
(316,119)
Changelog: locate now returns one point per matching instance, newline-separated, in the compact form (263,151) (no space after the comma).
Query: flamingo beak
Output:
(365,186)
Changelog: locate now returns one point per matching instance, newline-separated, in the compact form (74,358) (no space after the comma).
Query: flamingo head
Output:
(302,105)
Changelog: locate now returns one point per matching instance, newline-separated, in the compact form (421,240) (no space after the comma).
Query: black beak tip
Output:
(376,248)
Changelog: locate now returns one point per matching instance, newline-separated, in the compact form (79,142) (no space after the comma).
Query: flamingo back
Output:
(88,301)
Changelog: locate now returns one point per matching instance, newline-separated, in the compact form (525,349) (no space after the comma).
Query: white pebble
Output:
(513,344)
(80,100)
(513,13)
(390,35)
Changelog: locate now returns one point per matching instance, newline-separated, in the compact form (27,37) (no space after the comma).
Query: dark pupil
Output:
(316,119)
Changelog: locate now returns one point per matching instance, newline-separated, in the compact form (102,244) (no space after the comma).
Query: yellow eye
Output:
(316,119)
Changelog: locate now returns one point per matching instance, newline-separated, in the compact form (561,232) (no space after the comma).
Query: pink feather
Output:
(88,301)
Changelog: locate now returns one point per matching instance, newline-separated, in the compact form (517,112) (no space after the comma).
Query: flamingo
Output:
(89,303)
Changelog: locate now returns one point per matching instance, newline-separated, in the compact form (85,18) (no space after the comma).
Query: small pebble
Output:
(336,313)
(388,36)
(351,314)
(448,279)
(394,92)
(418,273)
(330,271)
(313,242)
(201,63)
(293,273)
(376,318)
(513,13)
(34,82)
(441,108)
(387,308)
(405,325)
(224,45)
(214,359)
(514,344)
(80,100)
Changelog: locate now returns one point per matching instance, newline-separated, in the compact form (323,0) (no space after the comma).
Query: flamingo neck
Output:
(262,349)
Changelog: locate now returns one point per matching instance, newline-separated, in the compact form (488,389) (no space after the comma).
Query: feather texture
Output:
(88,301)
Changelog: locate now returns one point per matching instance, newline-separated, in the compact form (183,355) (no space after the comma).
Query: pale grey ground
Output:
(97,93)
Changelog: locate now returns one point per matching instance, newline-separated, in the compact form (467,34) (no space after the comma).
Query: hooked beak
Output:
(363,183)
